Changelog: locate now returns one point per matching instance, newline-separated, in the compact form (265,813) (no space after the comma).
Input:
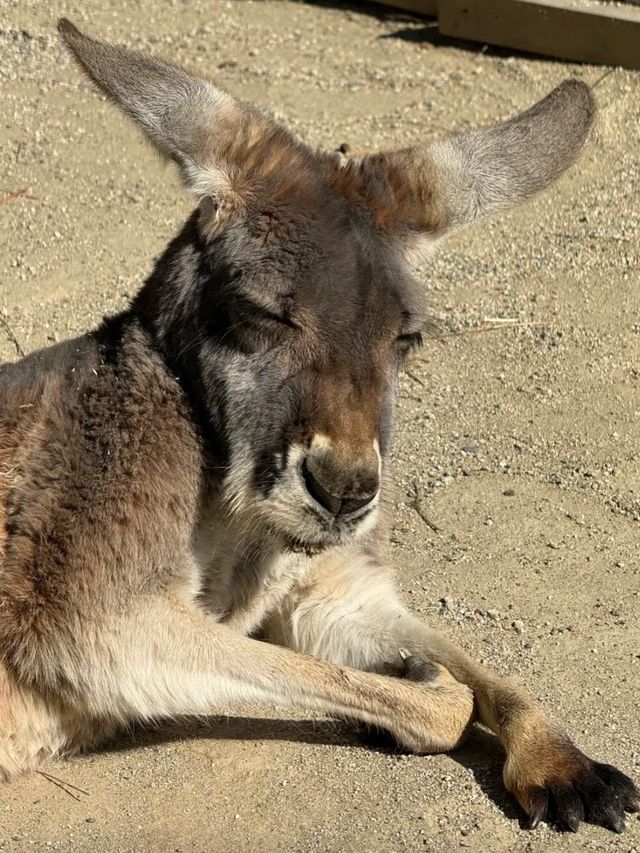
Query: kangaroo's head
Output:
(288,301)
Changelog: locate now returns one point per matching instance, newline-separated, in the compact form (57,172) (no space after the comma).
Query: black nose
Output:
(336,506)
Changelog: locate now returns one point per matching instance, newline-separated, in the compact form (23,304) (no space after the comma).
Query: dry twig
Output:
(63,785)
(613,238)
(417,505)
(9,332)
(603,77)
(10,196)
(499,325)
(415,378)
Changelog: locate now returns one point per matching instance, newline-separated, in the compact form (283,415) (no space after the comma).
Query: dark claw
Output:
(572,824)
(539,808)
(534,820)
(567,808)
(597,793)
(417,669)
(617,825)
(624,789)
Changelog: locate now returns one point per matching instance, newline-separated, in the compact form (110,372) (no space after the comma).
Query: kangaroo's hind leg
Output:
(34,728)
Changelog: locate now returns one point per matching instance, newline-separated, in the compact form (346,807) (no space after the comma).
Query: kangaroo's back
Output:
(214,460)
(26,387)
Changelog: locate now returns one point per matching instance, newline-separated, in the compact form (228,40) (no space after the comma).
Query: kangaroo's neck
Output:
(168,303)
(169,306)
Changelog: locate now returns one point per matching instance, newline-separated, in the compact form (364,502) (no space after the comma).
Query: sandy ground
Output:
(523,436)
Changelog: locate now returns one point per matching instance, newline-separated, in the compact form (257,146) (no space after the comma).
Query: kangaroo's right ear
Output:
(216,141)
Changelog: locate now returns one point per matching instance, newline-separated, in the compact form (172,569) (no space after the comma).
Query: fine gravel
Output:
(518,426)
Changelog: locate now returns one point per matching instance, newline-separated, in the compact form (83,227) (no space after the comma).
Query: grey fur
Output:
(211,464)
(491,169)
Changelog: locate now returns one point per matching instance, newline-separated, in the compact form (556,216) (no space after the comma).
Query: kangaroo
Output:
(194,497)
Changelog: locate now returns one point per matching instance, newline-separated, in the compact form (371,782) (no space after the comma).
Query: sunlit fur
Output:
(195,497)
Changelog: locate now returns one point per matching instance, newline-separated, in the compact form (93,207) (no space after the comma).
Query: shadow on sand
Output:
(481,753)
(419,29)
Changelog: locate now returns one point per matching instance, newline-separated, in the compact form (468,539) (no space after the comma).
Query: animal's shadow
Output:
(482,753)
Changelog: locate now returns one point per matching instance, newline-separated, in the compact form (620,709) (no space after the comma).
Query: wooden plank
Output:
(420,7)
(609,36)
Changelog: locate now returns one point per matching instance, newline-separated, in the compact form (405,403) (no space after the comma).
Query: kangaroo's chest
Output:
(243,574)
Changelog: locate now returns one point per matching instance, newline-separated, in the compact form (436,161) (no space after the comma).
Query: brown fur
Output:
(212,464)
(402,187)
(5,484)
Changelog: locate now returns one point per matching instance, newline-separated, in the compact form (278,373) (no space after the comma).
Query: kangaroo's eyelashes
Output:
(179,481)
(261,313)
(410,340)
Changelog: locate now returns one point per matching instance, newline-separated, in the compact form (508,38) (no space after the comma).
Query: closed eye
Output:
(259,312)
(409,341)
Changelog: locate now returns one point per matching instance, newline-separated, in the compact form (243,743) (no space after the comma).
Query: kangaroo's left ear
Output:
(431,189)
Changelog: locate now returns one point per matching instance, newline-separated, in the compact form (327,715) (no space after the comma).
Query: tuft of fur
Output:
(211,465)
